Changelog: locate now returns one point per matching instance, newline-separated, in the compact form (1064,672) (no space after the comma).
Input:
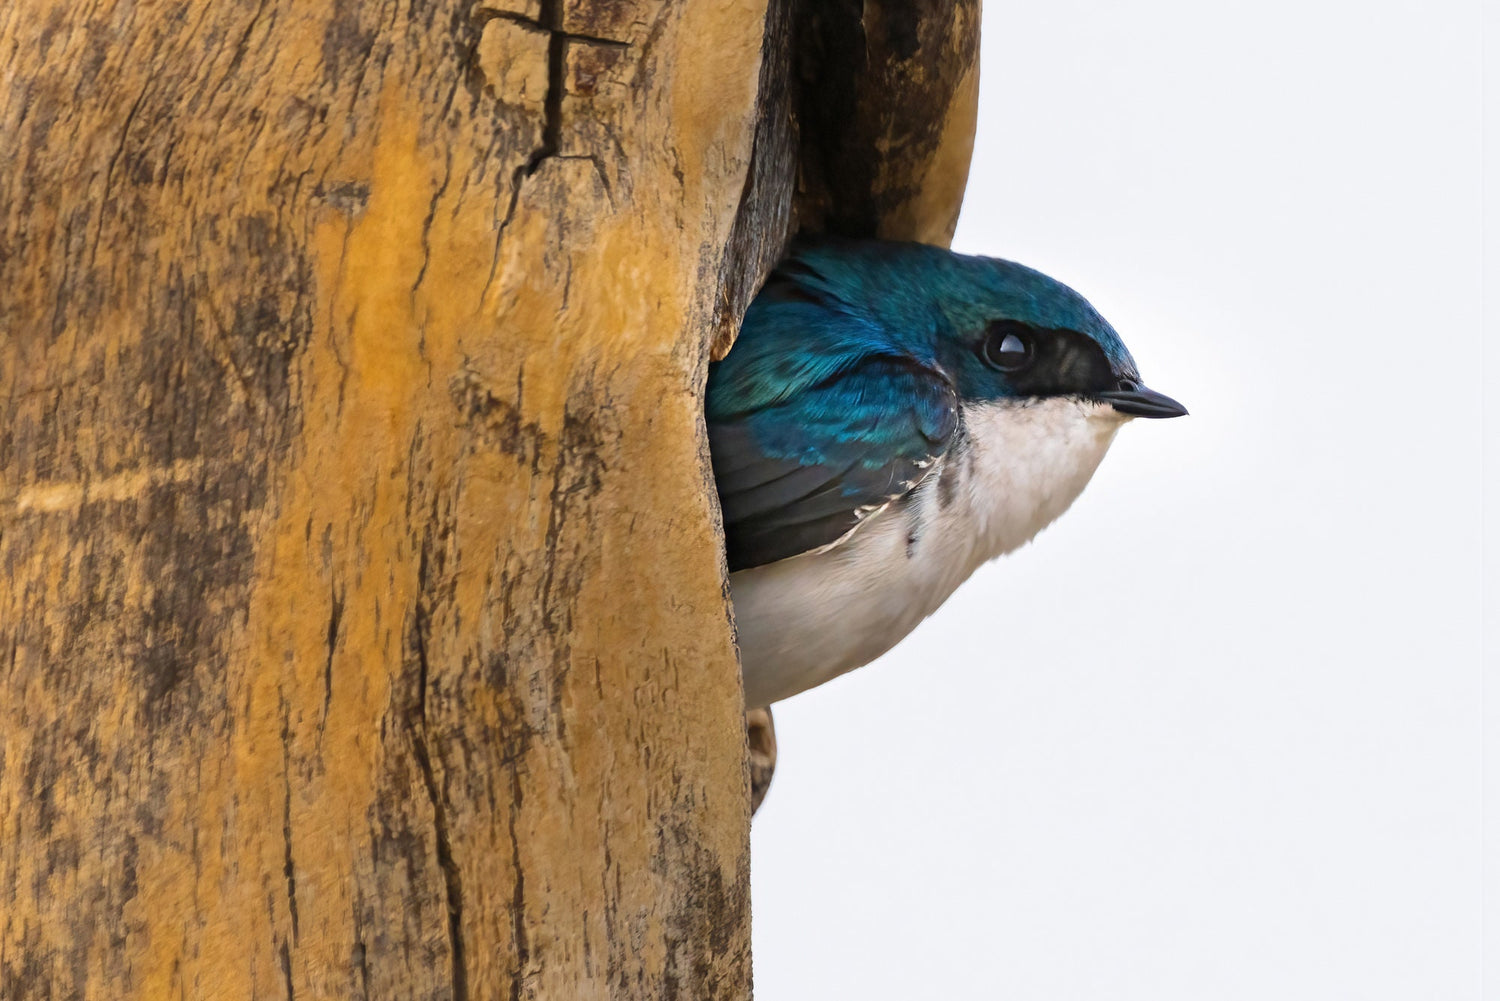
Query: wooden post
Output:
(363,632)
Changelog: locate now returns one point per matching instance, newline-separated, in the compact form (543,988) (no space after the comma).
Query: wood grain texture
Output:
(364,631)
(888,92)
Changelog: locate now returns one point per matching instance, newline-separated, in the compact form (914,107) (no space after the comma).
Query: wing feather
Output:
(799,472)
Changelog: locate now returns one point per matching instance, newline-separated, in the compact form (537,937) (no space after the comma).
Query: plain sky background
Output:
(1217,733)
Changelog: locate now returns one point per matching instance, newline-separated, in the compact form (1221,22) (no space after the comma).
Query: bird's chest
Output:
(812,617)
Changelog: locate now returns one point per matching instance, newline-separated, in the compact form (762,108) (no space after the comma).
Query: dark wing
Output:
(799,473)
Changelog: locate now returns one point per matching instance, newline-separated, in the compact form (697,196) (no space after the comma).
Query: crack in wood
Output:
(430,218)
(550,20)
(518,895)
(335,616)
(452,880)
(289,865)
(286,972)
(516,17)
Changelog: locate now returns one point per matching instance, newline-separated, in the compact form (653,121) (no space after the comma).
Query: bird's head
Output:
(1002,332)
(1008,332)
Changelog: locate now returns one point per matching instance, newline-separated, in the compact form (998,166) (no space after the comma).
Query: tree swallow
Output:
(891,417)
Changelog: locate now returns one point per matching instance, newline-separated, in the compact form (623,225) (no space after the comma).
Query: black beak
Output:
(1135,400)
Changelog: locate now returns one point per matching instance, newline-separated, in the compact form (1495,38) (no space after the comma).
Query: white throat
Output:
(1012,470)
(1018,467)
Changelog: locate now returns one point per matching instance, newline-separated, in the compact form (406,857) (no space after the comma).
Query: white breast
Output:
(1012,470)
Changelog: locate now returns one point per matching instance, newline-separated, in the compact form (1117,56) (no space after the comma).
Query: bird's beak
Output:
(1135,400)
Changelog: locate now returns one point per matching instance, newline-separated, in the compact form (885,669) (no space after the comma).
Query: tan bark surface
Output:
(363,631)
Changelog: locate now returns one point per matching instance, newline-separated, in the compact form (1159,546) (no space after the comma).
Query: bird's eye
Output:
(1008,346)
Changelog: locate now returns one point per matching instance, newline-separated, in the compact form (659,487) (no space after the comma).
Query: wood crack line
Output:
(452,881)
(550,21)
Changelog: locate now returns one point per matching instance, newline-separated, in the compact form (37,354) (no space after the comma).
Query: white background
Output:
(1216,734)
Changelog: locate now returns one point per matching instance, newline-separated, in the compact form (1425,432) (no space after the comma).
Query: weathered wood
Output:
(363,632)
(887,95)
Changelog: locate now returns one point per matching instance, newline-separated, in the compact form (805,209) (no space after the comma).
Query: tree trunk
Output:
(364,630)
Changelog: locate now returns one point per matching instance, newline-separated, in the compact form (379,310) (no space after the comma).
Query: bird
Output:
(891,417)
